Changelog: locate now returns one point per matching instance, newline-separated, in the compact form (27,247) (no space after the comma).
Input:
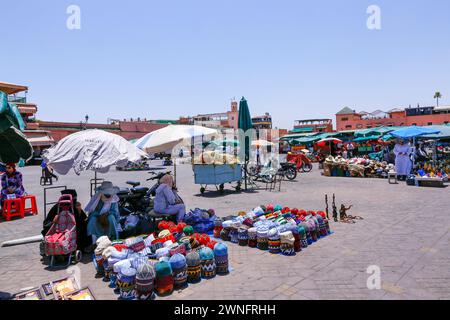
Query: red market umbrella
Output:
(328,141)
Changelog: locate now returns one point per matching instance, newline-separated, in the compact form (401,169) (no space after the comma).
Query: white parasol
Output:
(94,149)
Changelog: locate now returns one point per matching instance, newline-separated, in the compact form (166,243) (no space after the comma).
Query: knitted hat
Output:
(274,241)
(278,208)
(188,230)
(145,281)
(252,242)
(162,252)
(287,243)
(211,244)
(262,237)
(177,248)
(243,236)
(269,208)
(126,282)
(234,235)
(164,233)
(102,243)
(221,258)
(179,268)
(186,242)
(164,278)
(193,267)
(225,234)
(208,262)
(303,235)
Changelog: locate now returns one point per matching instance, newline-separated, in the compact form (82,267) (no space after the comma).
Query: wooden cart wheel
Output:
(221,188)
(202,190)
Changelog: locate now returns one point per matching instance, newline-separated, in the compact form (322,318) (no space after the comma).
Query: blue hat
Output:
(206,254)
(220,250)
(177,261)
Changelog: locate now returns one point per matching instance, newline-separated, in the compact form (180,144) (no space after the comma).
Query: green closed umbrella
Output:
(14,144)
(245,123)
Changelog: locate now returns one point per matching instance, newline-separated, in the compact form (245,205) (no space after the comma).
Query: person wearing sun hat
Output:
(194,268)
(221,257)
(274,241)
(145,281)
(103,211)
(164,278)
(179,269)
(208,263)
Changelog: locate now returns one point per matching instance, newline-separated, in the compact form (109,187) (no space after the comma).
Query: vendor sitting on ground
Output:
(11,183)
(103,211)
(167,200)
(83,241)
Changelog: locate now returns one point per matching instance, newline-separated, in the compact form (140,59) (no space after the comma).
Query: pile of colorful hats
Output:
(277,229)
(137,268)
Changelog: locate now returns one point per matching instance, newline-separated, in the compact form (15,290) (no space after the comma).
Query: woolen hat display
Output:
(262,238)
(234,235)
(164,278)
(179,268)
(225,234)
(145,281)
(252,242)
(188,230)
(287,243)
(193,267)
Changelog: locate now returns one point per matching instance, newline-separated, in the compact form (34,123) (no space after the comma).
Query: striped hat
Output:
(145,281)
(208,262)
(274,241)
(126,282)
(262,237)
(287,243)
(164,278)
(179,268)
(193,267)
(243,236)
(234,235)
(221,257)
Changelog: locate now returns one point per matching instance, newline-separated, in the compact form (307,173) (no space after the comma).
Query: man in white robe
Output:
(403,163)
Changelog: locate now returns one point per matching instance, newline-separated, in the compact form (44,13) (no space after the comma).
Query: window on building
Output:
(414,124)
(368,127)
(348,126)
(445,122)
(344,119)
(359,126)
(430,123)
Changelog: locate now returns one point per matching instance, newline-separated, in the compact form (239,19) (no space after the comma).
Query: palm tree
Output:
(437,96)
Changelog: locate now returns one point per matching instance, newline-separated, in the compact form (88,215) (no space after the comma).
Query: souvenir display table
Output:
(356,167)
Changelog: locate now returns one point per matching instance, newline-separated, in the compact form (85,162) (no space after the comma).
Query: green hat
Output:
(188,230)
(163,269)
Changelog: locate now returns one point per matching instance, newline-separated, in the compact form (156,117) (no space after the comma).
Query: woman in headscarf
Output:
(167,200)
(11,183)
(103,210)
(403,163)
(83,240)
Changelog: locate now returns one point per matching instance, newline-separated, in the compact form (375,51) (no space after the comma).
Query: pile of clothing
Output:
(200,219)
(216,158)
(137,268)
(430,169)
(356,167)
(277,229)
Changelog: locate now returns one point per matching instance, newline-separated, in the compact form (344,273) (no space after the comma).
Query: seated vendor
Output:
(167,200)
(103,211)
(83,240)
(11,183)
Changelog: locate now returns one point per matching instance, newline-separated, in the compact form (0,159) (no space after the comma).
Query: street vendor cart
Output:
(217,175)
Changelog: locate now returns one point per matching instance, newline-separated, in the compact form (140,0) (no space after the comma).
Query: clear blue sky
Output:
(162,59)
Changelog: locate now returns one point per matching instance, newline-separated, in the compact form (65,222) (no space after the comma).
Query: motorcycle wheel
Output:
(307,167)
(291,174)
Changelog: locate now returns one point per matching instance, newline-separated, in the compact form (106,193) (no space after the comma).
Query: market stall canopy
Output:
(221,143)
(14,144)
(261,143)
(330,140)
(165,139)
(310,139)
(375,131)
(444,133)
(413,132)
(94,149)
(367,138)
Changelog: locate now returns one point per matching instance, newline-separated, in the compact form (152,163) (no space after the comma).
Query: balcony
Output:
(15,99)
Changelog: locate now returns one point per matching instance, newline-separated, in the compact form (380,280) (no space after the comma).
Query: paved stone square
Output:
(405,231)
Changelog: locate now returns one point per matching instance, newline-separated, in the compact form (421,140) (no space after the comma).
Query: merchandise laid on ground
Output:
(138,267)
(274,228)
(356,167)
